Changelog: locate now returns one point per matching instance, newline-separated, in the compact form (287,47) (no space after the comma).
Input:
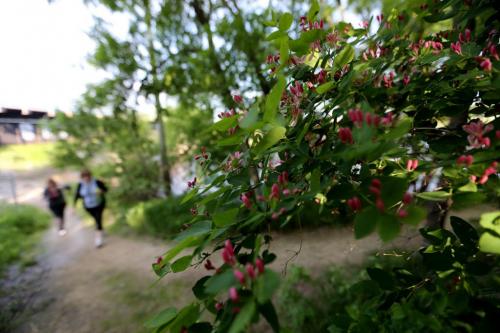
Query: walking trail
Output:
(77,288)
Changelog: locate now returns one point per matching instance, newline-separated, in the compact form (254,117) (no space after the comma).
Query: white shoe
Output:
(99,242)
(62,232)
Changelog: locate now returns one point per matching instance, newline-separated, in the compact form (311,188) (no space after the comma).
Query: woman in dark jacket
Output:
(55,197)
(92,191)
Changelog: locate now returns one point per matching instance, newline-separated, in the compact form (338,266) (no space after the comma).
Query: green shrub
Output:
(160,217)
(19,227)
(447,286)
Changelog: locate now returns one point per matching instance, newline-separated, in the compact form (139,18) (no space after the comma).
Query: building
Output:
(22,126)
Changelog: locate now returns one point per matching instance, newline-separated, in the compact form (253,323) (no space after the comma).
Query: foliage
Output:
(160,217)
(26,156)
(447,287)
(126,156)
(19,227)
(379,129)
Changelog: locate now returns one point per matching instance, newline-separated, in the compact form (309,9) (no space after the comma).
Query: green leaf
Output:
(314,10)
(345,56)
(270,138)
(268,311)
(399,130)
(284,51)
(189,195)
(249,121)
(184,244)
(491,220)
(434,196)
(226,217)
(224,124)
(181,264)
(325,87)
(384,279)
(285,22)
(243,318)
(162,318)
(469,187)
(273,100)
(219,282)
(315,181)
(266,285)
(185,318)
(199,288)
(388,227)
(232,140)
(489,243)
(275,35)
(365,222)
(197,229)
(464,231)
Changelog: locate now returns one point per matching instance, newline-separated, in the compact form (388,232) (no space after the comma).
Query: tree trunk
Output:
(164,172)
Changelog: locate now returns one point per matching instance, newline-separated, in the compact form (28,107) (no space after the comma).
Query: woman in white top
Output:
(92,191)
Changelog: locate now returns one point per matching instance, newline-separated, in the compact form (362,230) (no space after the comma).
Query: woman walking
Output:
(92,191)
(55,197)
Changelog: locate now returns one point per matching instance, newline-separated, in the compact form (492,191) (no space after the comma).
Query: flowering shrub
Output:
(377,129)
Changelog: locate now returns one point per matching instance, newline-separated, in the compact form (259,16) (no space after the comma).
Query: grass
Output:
(20,229)
(22,157)
(139,301)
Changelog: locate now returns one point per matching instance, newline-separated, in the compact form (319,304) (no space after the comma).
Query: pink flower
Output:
(239,276)
(246,200)
(387,119)
(406,79)
(376,183)
(486,65)
(464,38)
(286,192)
(233,295)
(345,135)
(332,38)
(219,306)
(492,169)
(158,260)
(250,271)
(228,253)
(283,178)
(476,131)
(192,184)
(388,80)
(260,265)
(356,116)
(407,198)
(379,203)
(275,192)
(456,47)
(411,165)
(354,203)
(402,213)
(238,99)
(465,160)
(493,52)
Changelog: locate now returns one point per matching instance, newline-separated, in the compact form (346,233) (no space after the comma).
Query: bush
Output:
(447,287)
(19,226)
(161,217)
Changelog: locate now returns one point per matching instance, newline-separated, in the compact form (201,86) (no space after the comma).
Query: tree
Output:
(360,127)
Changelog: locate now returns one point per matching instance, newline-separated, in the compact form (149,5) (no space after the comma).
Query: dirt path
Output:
(83,289)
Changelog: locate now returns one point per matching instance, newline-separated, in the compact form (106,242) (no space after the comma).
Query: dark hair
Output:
(85,173)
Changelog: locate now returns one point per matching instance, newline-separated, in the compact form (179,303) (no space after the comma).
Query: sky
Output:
(43,49)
